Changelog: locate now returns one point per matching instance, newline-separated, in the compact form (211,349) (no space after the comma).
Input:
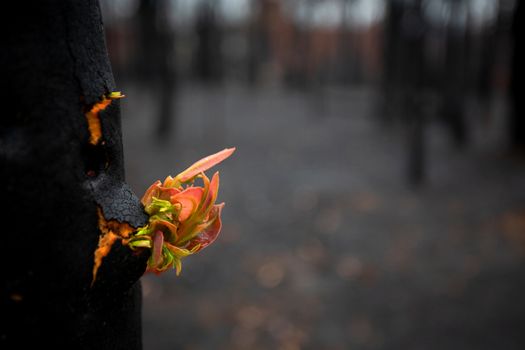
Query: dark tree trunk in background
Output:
(391,77)
(156,61)
(411,82)
(207,56)
(148,41)
(54,66)
(453,78)
(517,123)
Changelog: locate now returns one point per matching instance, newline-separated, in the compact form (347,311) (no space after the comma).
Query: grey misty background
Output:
(376,198)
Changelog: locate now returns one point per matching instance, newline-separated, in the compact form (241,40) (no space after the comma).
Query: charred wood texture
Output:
(54,67)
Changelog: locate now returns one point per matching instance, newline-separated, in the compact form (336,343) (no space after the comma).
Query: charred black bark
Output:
(54,67)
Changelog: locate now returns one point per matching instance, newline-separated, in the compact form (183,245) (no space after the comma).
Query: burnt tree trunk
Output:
(54,67)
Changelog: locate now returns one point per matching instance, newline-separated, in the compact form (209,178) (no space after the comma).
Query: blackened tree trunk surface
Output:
(54,66)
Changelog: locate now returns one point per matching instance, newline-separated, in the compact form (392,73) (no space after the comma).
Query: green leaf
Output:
(143,243)
(159,206)
(143,231)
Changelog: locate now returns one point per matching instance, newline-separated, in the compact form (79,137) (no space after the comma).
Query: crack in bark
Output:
(111,231)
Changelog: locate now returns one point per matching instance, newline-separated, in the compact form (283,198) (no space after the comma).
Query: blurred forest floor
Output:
(324,245)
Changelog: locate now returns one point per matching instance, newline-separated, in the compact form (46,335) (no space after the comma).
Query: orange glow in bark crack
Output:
(111,231)
(93,117)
